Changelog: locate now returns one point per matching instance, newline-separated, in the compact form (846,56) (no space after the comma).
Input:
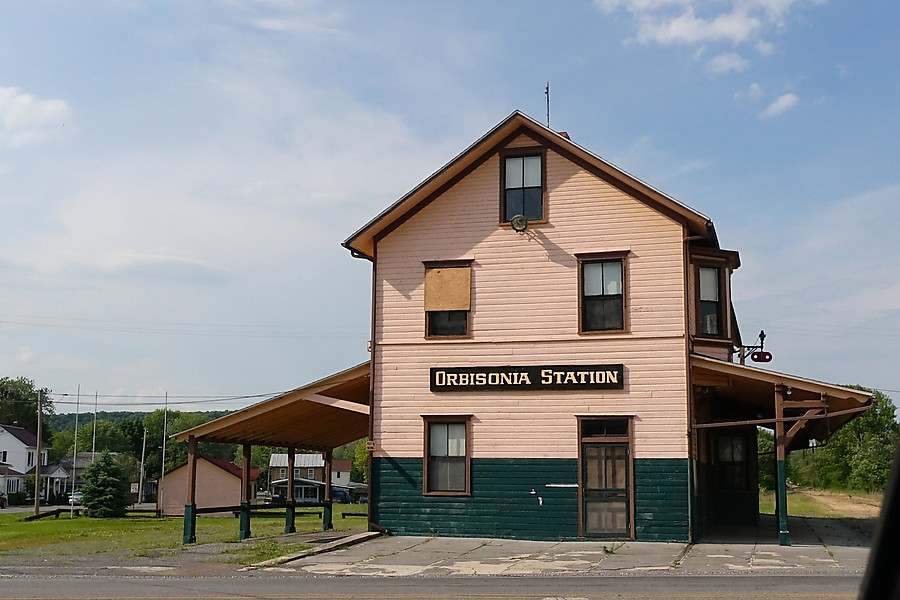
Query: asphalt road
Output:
(273,586)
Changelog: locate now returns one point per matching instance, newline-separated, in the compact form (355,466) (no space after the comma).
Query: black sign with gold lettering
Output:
(546,377)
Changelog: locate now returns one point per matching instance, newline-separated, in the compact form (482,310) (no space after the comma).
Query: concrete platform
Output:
(819,547)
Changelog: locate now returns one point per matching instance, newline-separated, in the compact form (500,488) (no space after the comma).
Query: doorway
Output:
(606,478)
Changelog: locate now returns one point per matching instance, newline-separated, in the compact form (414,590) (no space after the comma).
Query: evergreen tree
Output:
(107,493)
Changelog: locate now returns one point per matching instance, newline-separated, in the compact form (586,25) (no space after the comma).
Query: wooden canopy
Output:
(742,395)
(320,416)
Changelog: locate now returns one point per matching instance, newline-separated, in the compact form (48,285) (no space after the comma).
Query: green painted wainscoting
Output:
(661,489)
(502,505)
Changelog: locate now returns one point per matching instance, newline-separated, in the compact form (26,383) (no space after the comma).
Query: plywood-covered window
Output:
(448,299)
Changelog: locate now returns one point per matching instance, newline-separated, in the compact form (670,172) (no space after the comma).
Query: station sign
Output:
(528,378)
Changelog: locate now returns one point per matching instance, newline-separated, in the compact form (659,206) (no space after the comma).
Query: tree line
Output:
(122,433)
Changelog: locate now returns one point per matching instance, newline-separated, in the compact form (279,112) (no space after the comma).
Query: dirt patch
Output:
(856,507)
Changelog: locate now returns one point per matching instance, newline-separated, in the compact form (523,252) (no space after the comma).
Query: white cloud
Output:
(736,28)
(700,22)
(780,105)
(26,120)
(753,93)
(725,63)
(765,48)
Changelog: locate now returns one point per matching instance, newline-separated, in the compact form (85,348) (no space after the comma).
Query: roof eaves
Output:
(700,221)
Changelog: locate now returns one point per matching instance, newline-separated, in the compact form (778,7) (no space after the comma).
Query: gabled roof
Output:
(23,435)
(50,471)
(8,471)
(362,243)
(223,464)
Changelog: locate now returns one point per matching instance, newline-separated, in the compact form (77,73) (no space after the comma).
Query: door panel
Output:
(605,493)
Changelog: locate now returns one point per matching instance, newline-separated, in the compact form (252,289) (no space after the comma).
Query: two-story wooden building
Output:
(552,355)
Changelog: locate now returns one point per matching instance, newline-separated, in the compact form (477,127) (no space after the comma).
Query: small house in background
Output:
(76,468)
(11,481)
(18,452)
(309,466)
(55,483)
(218,484)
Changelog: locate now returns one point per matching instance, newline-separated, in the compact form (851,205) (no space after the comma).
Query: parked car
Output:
(4,502)
(75,498)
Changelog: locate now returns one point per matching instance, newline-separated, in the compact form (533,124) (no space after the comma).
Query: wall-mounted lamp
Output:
(519,223)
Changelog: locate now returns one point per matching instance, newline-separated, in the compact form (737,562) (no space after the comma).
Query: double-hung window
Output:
(448,298)
(602,294)
(523,187)
(732,465)
(447,455)
(710,305)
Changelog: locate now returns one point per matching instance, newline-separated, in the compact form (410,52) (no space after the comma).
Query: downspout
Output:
(691,467)
(692,460)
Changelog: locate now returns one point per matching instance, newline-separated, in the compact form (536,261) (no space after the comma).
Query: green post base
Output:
(289,518)
(327,524)
(244,533)
(784,536)
(190,524)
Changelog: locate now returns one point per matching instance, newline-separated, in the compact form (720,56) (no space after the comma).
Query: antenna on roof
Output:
(547,97)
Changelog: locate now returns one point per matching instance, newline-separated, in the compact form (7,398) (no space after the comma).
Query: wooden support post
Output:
(784,536)
(327,522)
(289,513)
(190,509)
(244,532)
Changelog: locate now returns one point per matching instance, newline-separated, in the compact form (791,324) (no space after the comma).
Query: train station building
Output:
(554,355)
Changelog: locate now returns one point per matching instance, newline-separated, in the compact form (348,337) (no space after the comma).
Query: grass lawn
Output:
(136,535)
(805,503)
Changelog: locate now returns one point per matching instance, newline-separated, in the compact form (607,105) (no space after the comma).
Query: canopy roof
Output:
(362,243)
(320,416)
(812,409)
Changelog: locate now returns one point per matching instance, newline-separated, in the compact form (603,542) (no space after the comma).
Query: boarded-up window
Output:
(448,297)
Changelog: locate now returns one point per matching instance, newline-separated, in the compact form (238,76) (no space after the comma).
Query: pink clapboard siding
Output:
(525,311)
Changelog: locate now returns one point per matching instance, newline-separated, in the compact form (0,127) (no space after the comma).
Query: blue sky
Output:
(176,177)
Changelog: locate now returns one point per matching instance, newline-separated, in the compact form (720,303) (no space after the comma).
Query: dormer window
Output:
(523,186)
(710,304)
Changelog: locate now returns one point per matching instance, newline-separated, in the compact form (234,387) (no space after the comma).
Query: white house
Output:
(310,466)
(18,452)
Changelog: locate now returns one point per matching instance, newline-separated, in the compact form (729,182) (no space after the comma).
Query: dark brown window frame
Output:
(589,257)
(438,264)
(723,312)
(626,439)
(516,153)
(427,421)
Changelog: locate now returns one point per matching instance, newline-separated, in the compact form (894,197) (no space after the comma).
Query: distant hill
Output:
(66,421)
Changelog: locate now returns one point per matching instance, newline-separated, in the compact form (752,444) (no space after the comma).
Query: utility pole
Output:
(162,472)
(141,482)
(37,459)
(94,440)
(75,453)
